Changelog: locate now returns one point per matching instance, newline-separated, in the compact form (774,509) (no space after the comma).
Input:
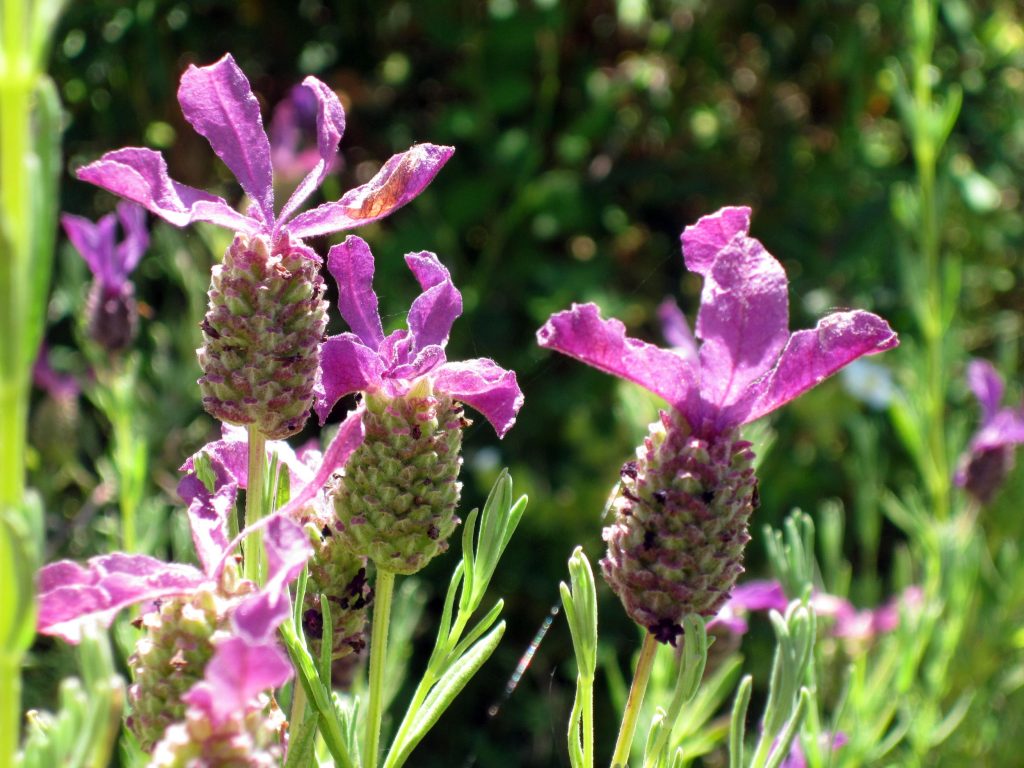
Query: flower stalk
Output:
(624,742)
(383,592)
(252,546)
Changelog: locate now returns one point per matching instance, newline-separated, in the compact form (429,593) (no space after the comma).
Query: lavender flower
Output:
(989,456)
(191,611)
(847,621)
(398,500)
(112,318)
(267,315)
(681,514)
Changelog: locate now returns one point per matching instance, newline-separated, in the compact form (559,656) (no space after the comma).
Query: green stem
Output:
(252,546)
(587,707)
(13,415)
(298,708)
(620,758)
(383,591)
(16,83)
(10,708)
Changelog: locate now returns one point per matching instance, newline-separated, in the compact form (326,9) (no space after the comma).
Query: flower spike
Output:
(397,502)
(266,314)
(677,541)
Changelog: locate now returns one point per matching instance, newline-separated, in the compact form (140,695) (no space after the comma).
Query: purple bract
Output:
(749,363)
(219,103)
(365,360)
(292,135)
(109,261)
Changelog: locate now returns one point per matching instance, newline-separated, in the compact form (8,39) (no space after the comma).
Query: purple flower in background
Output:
(676,330)
(59,386)
(753,596)
(989,456)
(868,624)
(749,363)
(682,506)
(796,757)
(111,314)
(292,135)
(218,102)
(365,360)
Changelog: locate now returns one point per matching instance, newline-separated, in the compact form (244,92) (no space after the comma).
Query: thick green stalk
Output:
(252,547)
(383,591)
(13,415)
(16,84)
(10,707)
(620,758)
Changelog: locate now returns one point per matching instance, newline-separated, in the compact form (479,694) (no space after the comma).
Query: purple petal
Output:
(71,596)
(987,385)
(398,380)
(330,125)
(351,264)
(231,454)
(486,387)
(676,330)
(220,105)
(236,674)
(208,516)
(1005,428)
(140,175)
(433,312)
(136,238)
(703,241)
(401,179)
(349,437)
(580,332)
(810,357)
(257,617)
(763,595)
(743,320)
(760,595)
(95,243)
(346,365)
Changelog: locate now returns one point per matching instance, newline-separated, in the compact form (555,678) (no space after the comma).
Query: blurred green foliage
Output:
(588,134)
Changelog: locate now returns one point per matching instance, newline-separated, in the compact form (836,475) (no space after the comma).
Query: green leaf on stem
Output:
(442,694)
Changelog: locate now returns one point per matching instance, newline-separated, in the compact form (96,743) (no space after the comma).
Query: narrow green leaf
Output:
(319,697)
(326,642)
(738,723)
(443,693)
(478,630)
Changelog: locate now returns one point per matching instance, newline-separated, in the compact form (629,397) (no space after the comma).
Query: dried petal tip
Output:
(676,545)
(396,503)
(262,335)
